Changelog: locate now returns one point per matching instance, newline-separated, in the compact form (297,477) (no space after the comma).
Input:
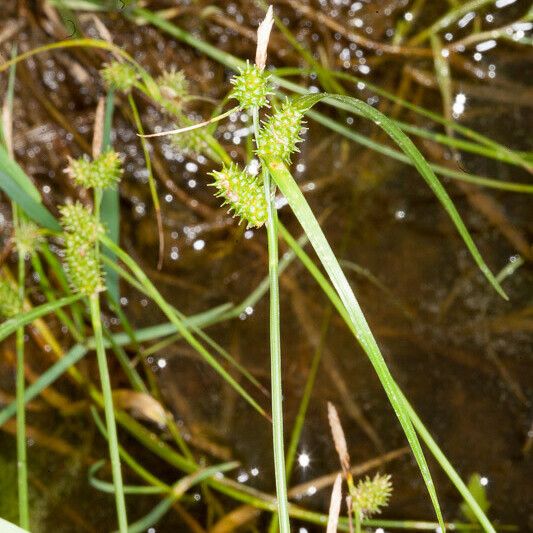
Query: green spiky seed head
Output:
(173,84)
(82,265)
(9,300)
(82,230)
(251,87)
(79,219)
(27,237)
(370,495)
(119,76)
(103,172)
(243,193)
(280,134)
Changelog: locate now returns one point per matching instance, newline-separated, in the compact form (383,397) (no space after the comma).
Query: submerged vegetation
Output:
(71,260)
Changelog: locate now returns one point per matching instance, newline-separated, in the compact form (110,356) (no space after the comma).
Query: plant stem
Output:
(22,467)
(109,413)
(275,348)
(357,515)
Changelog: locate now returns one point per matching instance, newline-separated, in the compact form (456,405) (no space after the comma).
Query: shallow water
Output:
(461,354)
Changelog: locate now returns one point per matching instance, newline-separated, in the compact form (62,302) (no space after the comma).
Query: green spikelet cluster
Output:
(82,230)
(173,84)
(280,134)
(243,193)
(251,87)
(9,300)
(370,495)
(27,237)
(104,171)
(119,76)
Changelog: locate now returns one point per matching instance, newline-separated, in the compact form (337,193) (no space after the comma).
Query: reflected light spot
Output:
(304,460)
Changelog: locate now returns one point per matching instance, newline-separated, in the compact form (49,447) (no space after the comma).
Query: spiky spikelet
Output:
(119,76)
(103,172)
(27,237)
(173,84)
(77,218)
(370,495)
(243,193)
(9,300)
(280,134)
(251,87)
(82,230)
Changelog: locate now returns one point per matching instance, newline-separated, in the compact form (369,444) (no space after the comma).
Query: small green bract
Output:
(280,134)
(251,87)
(243,193)
(119,76)
(82,230)
(104,171)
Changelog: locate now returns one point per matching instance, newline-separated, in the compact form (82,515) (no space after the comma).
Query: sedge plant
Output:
(251,197)
(81,233)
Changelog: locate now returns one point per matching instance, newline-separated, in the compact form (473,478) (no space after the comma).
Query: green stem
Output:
(109,413)
(357,515)
(275,346)
(22,467)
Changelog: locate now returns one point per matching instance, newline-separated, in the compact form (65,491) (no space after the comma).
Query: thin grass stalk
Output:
(22,465)
(302,409)
(275,347)
(107,394)
(151,180)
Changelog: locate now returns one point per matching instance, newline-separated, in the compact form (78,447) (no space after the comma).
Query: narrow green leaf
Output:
(181,327)
(110,205)
(418,424)
(10,325)
(45,380)
(164,506)
(411,151)
(15,183)
(364,336)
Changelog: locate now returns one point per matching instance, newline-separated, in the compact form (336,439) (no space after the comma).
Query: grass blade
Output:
(421,165)
(305,216)
(10,325)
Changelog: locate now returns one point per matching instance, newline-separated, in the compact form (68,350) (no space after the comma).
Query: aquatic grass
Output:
(109,412)
(22,463)
(81,234)
(12,305)
(275,344)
